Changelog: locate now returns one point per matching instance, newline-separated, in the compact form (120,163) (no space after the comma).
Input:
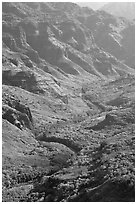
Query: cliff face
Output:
(40,31)
(65,69)
(111,33)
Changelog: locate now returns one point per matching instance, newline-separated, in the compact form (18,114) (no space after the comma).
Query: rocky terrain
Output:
(67,104)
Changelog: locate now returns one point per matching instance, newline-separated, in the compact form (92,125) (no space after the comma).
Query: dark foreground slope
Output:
(68,105)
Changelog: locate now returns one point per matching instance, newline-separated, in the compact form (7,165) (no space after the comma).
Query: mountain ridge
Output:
(121,9)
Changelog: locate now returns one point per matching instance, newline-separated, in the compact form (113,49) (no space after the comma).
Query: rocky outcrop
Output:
(17,114)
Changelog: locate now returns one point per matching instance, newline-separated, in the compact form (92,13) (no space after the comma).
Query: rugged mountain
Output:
(121,9)
(114,35)
(68,97)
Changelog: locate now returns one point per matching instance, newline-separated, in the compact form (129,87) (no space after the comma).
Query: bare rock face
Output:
(17,114)
(53,41)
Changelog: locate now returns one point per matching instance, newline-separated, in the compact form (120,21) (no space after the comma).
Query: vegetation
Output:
(68,109)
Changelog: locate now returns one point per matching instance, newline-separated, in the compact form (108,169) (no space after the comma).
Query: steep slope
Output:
(114,33)
(64,91)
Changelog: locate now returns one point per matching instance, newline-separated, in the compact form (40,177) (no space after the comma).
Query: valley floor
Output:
(86,158)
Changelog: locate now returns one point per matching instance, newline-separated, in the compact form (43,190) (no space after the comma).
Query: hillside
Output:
(67,104)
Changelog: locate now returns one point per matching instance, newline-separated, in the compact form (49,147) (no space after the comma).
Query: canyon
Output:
(68,107)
